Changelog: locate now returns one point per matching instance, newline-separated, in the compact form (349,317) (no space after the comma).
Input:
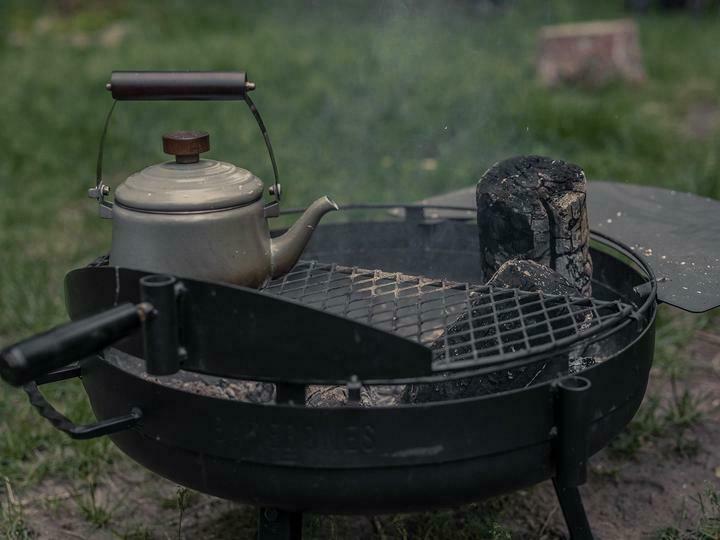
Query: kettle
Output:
(193,217)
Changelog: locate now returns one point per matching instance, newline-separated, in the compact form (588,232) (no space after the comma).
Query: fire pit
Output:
(304,396)
(383,372)
(338,323)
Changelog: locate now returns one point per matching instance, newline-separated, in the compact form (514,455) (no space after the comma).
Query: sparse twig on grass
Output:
(93,508)
(12,520)
(183,497)
(685,409)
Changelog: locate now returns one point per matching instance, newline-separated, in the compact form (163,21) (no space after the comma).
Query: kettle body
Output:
(230,245)
(203,219)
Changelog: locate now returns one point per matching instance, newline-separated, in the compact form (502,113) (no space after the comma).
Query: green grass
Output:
(379,101)
(674,416)
(657,420)
(707,524)
(473,521)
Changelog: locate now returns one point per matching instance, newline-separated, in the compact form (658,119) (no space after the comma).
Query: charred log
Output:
(534,236)
(533,208)
(531,276)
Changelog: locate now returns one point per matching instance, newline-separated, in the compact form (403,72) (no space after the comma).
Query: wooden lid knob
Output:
(186,146)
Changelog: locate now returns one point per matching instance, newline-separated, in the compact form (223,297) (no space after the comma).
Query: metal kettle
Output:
(193,217)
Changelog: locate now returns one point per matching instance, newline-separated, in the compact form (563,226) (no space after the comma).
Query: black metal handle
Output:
(62,423)
(38,355)
(179,85)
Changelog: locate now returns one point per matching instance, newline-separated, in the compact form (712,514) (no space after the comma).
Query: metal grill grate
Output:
(465,325)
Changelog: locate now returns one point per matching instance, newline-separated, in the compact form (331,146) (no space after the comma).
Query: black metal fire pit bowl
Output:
(287,458)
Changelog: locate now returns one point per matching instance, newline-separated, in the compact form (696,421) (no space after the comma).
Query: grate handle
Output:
(38,355)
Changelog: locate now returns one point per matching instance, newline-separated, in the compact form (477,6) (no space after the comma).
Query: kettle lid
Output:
(189,184)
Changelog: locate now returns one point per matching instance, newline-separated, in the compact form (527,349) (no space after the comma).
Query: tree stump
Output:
(533,208)
(592,53)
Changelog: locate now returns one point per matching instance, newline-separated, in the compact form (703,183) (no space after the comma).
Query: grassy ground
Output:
(383,101)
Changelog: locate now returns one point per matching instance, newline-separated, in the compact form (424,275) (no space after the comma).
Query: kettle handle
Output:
(178,86)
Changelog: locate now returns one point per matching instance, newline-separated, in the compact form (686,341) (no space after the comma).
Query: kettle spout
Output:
(286,249)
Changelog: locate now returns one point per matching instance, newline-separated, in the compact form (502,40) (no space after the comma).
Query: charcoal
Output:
(491,383)
(533,208)
(335,396)
(500,380)
(531,276)
(518,274)
(196,383)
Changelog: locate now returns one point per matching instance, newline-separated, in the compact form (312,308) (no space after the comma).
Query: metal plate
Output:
(232,331)
(676,233)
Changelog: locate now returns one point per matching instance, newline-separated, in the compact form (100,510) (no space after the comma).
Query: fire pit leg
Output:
(573,511)
(274,524)
(572,452)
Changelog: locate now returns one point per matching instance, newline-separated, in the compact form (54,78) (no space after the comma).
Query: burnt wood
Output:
(533,207)
(523,275)
(532,276)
